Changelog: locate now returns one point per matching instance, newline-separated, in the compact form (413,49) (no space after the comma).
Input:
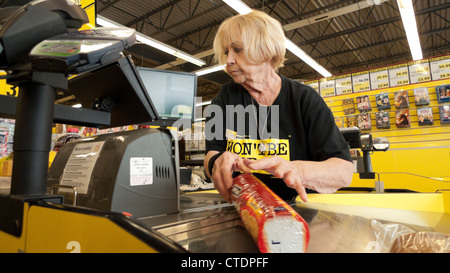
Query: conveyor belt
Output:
(218,233)
(208,224)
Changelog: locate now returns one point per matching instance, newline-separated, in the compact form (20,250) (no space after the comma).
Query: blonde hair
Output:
(262,38)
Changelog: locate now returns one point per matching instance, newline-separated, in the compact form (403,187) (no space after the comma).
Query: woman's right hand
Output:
(222,172)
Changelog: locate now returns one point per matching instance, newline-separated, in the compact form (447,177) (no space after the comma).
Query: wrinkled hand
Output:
(289,171)
(222,172)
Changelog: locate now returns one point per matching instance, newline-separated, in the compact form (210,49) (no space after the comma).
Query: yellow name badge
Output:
(256,149)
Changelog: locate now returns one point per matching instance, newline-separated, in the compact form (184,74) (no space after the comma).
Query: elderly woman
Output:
(308,151)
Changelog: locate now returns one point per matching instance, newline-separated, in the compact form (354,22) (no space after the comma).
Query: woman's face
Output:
(239,68)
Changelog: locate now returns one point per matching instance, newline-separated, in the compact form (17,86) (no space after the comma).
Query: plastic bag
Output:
(421,242)
(271,222)
(398,238)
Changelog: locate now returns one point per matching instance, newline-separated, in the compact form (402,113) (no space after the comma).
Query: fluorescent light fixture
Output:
(153,42)
(410,25)
(238,6)
(210,69)
(297,51)
(189,58)
(77,105)
(242,8)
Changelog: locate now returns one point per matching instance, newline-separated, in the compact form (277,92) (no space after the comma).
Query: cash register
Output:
(112,177)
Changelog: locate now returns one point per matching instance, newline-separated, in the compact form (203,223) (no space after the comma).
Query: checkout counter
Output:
(129,200)
(338,223)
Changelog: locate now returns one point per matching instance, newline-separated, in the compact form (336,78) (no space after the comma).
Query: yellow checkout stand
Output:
(338,223)
(117,219)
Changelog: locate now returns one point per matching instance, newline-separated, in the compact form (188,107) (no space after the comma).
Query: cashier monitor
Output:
(172,93)
(115,88)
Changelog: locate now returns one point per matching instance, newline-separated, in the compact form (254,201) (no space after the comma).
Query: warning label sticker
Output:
(141,171)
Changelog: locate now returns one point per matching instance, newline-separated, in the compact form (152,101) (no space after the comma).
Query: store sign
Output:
(419,71)
(379,78)
(440,68)
(7,89)
(398,75)
(327,87)
(361,81)
(344,84)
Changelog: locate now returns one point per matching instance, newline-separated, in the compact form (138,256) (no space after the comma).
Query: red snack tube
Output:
(274,225)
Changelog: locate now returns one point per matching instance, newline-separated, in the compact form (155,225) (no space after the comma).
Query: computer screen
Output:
(172,93)
(115,88)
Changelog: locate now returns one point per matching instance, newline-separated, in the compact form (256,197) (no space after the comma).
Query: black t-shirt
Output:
(305,127)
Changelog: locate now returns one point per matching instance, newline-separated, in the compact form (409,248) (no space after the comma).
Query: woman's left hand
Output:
(288,171)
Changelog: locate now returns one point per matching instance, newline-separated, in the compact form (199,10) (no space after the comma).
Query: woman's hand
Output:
(222,172)
(286,170)
(324,177)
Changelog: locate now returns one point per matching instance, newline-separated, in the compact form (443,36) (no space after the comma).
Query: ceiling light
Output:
(153,42)
(410,25)
(238,6)
(210,69)
(189,58)
(242,8)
